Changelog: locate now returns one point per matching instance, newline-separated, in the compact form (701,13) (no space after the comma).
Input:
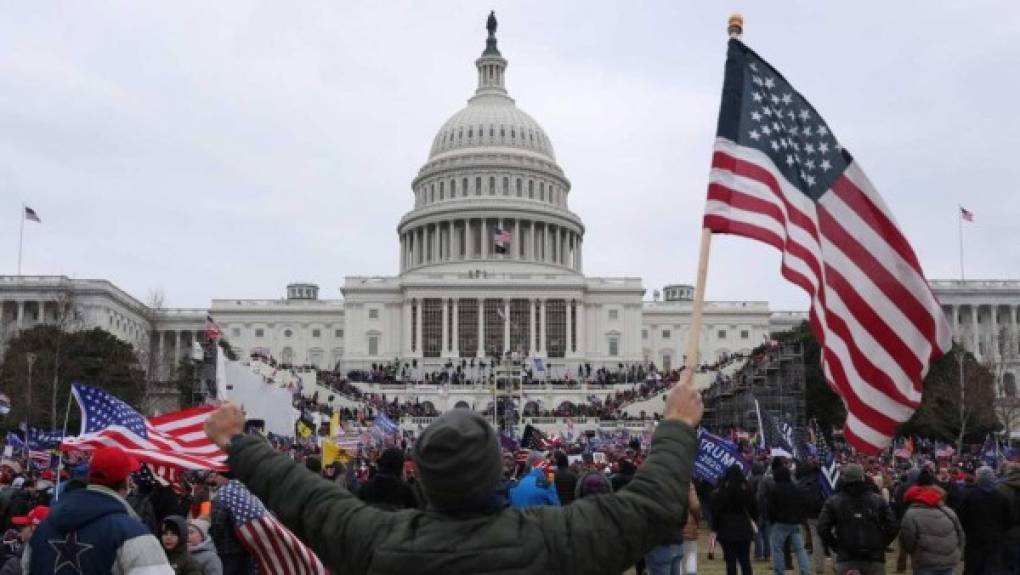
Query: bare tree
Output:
(67,318)
(148,346)
(1007,404)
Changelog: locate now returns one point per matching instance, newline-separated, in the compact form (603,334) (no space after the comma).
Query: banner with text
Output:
(715,455)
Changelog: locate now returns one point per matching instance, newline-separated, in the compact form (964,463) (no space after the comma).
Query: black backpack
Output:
(859,530)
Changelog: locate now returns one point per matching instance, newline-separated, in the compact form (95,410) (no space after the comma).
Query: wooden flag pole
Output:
(735,27)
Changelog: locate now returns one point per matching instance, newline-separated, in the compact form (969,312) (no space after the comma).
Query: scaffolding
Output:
(774,376)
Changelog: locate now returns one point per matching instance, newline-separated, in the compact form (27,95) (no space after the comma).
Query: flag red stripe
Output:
(885,281)
(876,218)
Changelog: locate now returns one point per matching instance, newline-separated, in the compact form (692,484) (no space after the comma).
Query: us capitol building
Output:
(491,262)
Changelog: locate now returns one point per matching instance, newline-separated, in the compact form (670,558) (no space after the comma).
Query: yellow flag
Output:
(330,452)
(334,425)
(303,429)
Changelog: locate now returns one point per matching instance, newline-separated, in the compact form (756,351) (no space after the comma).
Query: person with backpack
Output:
(930,530)
(908,480)
(1010,487)
(857,524)
(810,485)
(786,513)
(985,516)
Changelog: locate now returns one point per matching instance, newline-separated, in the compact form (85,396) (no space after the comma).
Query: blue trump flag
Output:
(715,455)
(386,424)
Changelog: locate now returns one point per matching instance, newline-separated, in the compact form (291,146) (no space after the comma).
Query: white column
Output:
(456,329)
(580,258)
(531,327)
(954,310)
(482,238)
(516,243)
(417,322)
(457,243)
(469,240)
(581,333)
(445,331)
(563,248)
(567,347)
(506,325)
(177,352)
(531,244)
(974,329)
(546,246)
(21,314)
(481,327)
(403,253)
(405,328)
(160,358)
(435,242)
(994,352)
(1013,330)
(541,335)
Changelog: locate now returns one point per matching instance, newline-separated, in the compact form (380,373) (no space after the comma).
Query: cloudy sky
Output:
(221,150)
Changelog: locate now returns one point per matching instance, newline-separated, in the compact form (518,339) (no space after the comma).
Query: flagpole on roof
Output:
(735,28)
(21,237)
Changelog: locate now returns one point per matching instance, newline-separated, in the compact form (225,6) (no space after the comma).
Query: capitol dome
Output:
(492,120)
(491,191)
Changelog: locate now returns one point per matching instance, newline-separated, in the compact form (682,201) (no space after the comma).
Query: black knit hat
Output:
(391,461)
(459,461)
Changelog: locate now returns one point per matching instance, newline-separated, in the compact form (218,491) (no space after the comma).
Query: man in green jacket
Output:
(468,528)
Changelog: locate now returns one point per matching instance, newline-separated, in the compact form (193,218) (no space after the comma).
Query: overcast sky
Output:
(224,149)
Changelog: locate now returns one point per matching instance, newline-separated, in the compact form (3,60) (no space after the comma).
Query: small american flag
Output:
(966,214)
(40,459)
(175,439)
(277,550)
(780,176)
(502,239)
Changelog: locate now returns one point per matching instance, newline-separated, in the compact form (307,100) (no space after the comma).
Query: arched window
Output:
(441,190)
(478,186)
(432,193)
(531,189)
(506,186)
(492,131)
(453,189)
(519,190)
(492,186)
(464,187)
(541,190)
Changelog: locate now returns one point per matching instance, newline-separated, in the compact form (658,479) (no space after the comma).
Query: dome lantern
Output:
(491,65)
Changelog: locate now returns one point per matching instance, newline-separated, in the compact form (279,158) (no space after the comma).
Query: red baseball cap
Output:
(34,517)
(111,465)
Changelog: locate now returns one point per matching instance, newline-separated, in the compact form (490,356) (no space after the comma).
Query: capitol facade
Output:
(491,263)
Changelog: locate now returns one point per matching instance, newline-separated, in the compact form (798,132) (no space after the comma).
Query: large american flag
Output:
(175,439)
(780,176)
(277,550)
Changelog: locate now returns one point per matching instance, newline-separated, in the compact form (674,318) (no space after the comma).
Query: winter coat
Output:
(732,515)
(786,504)
(534,489)
(12,565)
(388,492)
(930,530)
(205,555)
(849,497)
(984,514)
(604,534)
(811,491)
(566,482)
(100,518)
(1010,487)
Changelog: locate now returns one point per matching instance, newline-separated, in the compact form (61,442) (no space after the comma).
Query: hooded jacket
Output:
(604,534)
(205,555)
(534,489)
(180,559)
(930,530)
(93,530)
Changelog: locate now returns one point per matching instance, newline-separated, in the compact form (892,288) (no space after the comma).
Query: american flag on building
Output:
(275,548)
(175,439)
(502,241)
(780,176)
(212,329)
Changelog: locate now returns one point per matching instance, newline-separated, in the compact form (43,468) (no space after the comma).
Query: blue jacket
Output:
(92,530)
(533,490)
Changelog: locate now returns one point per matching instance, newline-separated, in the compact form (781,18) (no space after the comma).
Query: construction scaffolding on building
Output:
(774,375)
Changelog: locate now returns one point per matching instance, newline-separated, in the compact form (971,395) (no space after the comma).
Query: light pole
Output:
(30,360)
